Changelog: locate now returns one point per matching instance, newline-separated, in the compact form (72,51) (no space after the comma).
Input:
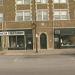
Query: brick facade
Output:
(9,9)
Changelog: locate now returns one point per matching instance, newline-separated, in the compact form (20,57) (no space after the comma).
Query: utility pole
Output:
(34,25)
(36,36)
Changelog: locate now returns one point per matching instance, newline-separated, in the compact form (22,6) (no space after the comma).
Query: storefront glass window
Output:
(12,41)
(21,40)
(66,38)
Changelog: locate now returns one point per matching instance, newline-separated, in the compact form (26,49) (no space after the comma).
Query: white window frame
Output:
(23,3)
(41,1)
(23,11)
(42,19)
(60,1)
(60,10)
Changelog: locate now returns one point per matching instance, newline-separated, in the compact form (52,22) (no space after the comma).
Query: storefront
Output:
(64,38)
(20,40)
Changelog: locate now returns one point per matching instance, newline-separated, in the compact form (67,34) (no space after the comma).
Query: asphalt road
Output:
(37,65)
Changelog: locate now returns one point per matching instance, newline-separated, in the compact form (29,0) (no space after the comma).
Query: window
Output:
(23,16)
(1,2)
(19,16)
(1,17)
(23,1)
(42,1)
(42,15)
(59,1)
(19,1)
(27,16)
(61,15)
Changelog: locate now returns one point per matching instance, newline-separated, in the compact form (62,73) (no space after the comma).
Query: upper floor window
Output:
(23,15)
(1,17)
(23,2)
(1,2)
(42,1)
(42,15)
(61,15)
(59,1)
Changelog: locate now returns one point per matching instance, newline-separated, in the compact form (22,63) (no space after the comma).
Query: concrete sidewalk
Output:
(40,52)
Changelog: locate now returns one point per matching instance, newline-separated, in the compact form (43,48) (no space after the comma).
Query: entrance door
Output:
(43,41)
(29,39)
(20,42)
(29,43)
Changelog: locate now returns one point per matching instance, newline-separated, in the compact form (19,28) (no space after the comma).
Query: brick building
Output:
(37,24)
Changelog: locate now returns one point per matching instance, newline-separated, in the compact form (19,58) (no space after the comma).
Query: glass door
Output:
(20,42)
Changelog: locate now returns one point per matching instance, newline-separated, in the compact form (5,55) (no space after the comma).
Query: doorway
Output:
(43,41)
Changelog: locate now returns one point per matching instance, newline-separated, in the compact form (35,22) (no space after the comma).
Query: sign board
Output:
(15,33)
(12,33)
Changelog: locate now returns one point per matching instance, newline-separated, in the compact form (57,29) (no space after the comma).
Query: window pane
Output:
(45,15)
(42,15)
(27,16)
(27,1)
(19,13)
(19,16)
(61,14)
(39,15)
(45,18)
(23,1)
(1,17)
(64,17)
(56,12)
(23,16)
(42,1)
(38,0)
(39,18)
(19,1)
(63,1)
(27,13)
(57,17)
(1,2)
(59,1)
(64,14)
(55,1)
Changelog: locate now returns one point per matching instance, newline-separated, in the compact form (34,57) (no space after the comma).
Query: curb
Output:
(41,52)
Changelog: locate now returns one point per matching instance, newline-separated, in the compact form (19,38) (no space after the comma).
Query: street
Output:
(37,65)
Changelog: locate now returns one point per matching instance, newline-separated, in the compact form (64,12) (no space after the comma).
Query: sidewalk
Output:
(40,52)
